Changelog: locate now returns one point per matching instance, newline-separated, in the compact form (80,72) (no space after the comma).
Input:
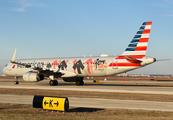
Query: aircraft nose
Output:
(4,71)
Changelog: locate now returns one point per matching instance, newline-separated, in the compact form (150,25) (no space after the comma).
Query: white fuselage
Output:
(80,67)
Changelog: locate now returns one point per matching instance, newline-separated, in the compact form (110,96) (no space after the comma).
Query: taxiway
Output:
(93,87)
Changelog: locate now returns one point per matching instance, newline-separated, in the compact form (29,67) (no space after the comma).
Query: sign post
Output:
(51,103)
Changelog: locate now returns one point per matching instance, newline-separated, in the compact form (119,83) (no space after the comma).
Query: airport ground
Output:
(136,91)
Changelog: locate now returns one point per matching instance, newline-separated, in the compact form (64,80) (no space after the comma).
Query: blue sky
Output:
(69,28)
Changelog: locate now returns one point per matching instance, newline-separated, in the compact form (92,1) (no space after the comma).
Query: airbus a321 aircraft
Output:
(74,69)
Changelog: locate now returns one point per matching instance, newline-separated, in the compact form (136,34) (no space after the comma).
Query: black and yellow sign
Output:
(96,81)
(51,103)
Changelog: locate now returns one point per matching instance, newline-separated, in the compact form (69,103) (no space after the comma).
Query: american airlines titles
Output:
(77,65)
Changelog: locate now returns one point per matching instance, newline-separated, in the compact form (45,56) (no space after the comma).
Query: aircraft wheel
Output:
(55,82)
(16,82)
(79,82)
(51,82)
(82,82)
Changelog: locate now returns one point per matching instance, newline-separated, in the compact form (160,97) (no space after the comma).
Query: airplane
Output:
(75,69)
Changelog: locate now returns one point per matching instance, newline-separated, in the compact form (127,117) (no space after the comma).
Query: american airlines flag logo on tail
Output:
(136,50)
(138,45)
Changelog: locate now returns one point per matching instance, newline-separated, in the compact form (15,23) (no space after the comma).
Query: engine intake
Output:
(32,77)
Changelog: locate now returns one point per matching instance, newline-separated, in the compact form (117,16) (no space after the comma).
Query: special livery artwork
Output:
(78,65)
(75,69)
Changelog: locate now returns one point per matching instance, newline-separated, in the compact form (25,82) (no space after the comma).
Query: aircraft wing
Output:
(60,73)
(28,66)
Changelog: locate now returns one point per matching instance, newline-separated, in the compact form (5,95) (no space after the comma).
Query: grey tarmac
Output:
(93,87)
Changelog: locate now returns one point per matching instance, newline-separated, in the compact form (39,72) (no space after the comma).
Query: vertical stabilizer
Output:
(138,45)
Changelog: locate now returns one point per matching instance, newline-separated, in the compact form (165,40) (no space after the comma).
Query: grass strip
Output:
(26,112)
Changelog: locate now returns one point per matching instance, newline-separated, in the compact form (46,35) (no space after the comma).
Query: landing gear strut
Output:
(52,82)
(16,82)
(80,81)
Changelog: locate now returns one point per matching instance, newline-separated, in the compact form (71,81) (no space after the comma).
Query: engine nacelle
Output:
(72,79)
(32,77)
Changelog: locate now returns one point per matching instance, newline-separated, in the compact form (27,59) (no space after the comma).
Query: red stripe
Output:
(143,48)
(124,64)
(133,56)
(146,31)
(143,40)
(120,57)
(149,23)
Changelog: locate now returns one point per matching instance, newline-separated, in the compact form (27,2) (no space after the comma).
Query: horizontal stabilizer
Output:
(133,60)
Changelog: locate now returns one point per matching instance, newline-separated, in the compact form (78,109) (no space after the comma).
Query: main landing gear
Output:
(79,81)
(16,82)
(52,82)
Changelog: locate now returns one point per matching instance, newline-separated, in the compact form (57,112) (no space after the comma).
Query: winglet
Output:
(14,55)
(14,62)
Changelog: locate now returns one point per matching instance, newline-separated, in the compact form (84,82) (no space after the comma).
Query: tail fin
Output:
(138,45)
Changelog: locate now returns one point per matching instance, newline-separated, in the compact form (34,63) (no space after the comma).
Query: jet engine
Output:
(32,77)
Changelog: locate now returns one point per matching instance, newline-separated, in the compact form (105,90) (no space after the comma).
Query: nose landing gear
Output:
(16,82)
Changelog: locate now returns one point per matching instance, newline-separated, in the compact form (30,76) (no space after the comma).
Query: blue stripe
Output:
(130,49)
(137,36)
(132,45)
(139,32)
(144,23)
(135,40)
(142,28)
